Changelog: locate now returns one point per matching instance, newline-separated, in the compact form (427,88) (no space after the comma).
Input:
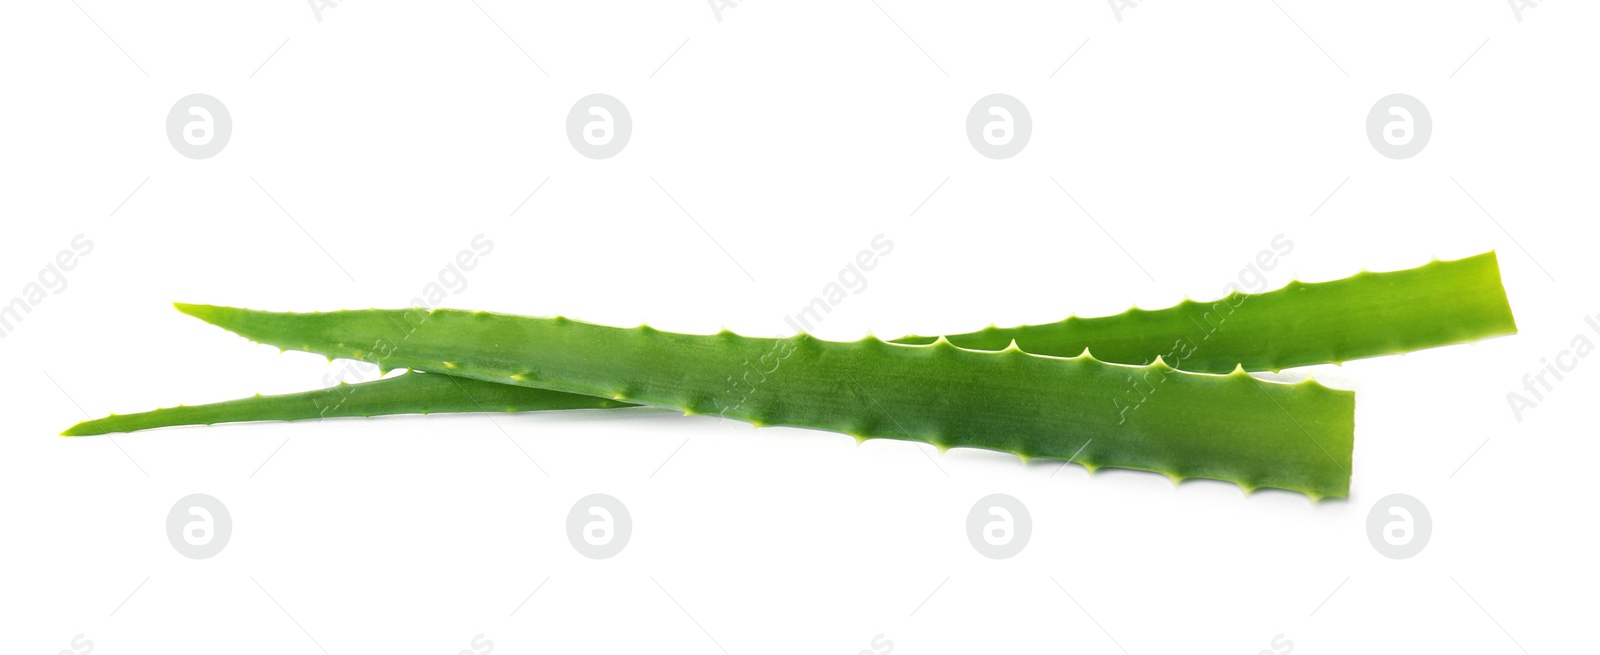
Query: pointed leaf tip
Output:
(200,311)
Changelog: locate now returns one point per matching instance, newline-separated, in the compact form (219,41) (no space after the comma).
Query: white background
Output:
(791,134)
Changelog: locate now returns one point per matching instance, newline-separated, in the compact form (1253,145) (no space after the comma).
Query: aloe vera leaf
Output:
(1365,315)
(411,393)
(1233,427)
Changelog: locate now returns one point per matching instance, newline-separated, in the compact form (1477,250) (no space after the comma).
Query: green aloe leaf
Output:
(1185,425)
(1370,314)
(1365,315)
(411,393)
